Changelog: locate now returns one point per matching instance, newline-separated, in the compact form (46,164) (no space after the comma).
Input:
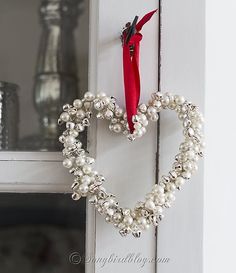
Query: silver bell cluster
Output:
(89,183)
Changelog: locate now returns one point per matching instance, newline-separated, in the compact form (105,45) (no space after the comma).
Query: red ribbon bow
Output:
(131,69)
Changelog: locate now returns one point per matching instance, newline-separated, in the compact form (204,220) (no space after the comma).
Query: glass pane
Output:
(40,232)
(44,64)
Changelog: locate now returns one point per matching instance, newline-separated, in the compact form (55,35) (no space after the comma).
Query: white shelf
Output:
(33,172)
(30,156)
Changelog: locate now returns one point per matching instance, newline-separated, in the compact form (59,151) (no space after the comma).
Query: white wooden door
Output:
(172,59)
(182,71)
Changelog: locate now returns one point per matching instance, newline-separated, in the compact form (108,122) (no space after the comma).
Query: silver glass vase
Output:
(56,79)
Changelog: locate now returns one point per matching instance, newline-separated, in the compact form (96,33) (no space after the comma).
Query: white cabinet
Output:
(171,59)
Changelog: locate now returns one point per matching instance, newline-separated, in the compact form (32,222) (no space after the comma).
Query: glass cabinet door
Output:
(43,65)
(41,233)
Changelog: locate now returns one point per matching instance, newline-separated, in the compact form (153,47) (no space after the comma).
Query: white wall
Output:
(220,186)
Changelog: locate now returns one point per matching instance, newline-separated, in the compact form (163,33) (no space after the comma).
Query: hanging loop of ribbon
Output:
(131,73)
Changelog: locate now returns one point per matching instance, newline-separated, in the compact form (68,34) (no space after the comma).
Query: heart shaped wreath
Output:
(89,183)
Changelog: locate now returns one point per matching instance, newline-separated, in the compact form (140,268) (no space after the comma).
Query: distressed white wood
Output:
(129,168)
(182,71)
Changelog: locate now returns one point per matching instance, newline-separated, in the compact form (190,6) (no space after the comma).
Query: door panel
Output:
(182,72)
(129,168)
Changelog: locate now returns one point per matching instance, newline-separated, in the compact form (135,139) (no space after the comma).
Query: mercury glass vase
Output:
(56,79)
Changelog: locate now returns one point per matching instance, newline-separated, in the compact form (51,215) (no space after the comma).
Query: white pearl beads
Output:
(179,182)
(117,217)
(88,182)
(128,220)
(150,205)
(67,163)
(87,169)
(117,128)
(65,117)
(80,161)
(69,140)
(89,96)
(179,100)
(77,103)
(86,179)
(80,114)
(83,188)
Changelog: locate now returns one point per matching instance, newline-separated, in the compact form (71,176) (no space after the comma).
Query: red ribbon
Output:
(131,69)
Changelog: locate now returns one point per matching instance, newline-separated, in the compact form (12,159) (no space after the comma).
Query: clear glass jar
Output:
(9,115)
